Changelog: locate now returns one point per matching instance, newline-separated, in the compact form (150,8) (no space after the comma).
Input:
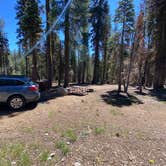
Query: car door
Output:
(3,90)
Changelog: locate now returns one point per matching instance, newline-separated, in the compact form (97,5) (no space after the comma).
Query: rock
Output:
(77,164)
(61,91)
(49,158)
(52,154)
(13,163)
(131,157)
(164,154)
(90,90)
(89,130)
(63,160)
(125,163)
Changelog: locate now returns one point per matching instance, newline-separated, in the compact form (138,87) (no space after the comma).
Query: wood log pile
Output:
(77,90)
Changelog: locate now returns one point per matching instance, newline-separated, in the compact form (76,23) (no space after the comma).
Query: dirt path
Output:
(126,133)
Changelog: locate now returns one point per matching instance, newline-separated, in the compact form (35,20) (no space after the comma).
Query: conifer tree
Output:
(105,42)
(67,46)
(98,12)
(29,27)
(79,36)
(156,9)
(4,53)
(124,16)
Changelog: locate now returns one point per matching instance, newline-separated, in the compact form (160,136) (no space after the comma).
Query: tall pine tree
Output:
(98,12)
(105,42)
(124,16)
(29,22)
(67,46)
(4,53)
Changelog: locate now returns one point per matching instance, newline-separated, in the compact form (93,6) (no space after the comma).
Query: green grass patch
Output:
(140,135)
(55,129)
(27,129)
(14,153)
(125,133)
(51,114)
(70,135)
(99,130)
(44,156)
(63,147)
(116,113)
(151,162)
(34,146)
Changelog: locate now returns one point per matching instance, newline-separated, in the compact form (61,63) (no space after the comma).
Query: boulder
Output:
(61,91)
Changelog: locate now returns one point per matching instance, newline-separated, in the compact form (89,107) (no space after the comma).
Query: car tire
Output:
(16,102)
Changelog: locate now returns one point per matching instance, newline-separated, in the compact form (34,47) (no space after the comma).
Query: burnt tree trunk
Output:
(160,60)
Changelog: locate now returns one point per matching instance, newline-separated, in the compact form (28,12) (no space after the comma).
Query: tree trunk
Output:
(121,60)
(96,65)
(79,71)
(53,56)
(129,72)
(83,72)
(85,43)
(140,78)
(160,61)
(48,46)
(35,75)
(26,66)
(105,65)
(130,66)
(60,65)
(145,72)
(67,50)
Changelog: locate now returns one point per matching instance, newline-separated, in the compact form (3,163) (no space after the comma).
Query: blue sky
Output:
(7,13)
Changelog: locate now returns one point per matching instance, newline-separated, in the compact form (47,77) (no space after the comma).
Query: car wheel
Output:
(16,102)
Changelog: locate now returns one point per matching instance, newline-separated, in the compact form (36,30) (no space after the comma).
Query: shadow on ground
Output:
(45,97)
(53,94)
(120,100)
(159,95)
(142,94)
(48,95)
(6,111)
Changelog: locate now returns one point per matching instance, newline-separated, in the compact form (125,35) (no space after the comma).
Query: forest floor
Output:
(99,129)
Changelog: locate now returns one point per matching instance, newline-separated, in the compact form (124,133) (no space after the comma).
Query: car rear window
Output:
(10,82)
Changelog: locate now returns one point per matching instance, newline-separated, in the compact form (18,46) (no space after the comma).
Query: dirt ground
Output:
(93,130)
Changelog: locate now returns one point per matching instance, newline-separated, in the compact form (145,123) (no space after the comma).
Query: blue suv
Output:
(17,91)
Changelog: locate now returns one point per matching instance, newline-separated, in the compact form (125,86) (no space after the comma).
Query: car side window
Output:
(2,82)
(9,82)
(17,83)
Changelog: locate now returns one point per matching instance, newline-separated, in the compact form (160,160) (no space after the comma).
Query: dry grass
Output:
(96,129)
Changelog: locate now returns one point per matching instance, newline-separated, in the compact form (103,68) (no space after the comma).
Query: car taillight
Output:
(33,88)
